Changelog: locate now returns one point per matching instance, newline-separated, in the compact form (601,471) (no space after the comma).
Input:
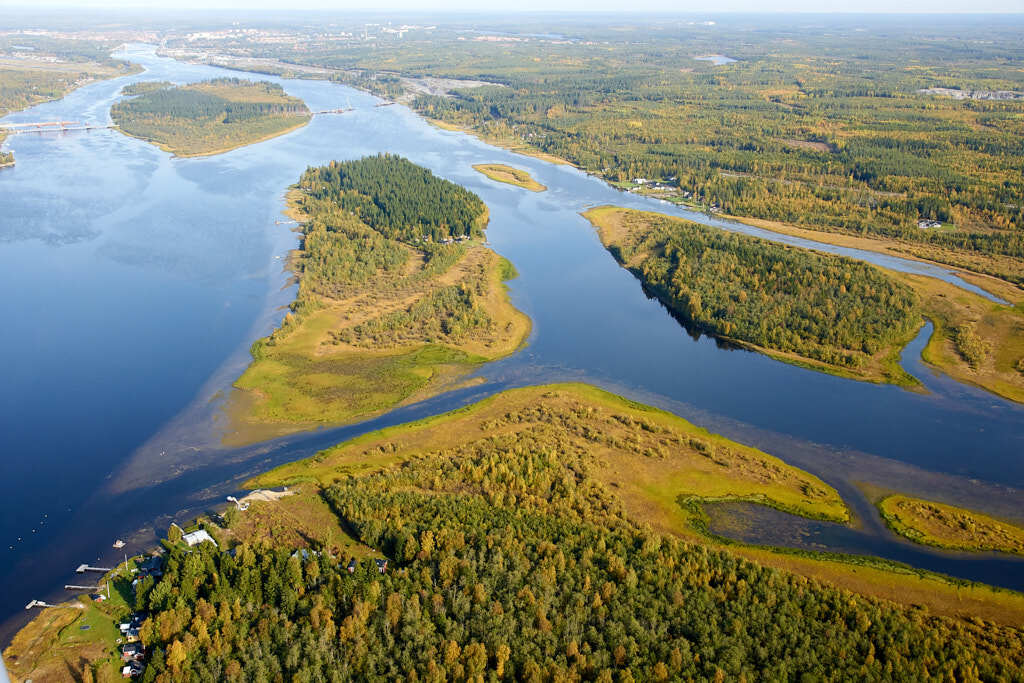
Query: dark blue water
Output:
(135,283)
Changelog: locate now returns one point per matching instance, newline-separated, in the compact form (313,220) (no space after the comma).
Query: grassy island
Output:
(209,117)
(398,300)
(813,309)
(513,176)
(948,526)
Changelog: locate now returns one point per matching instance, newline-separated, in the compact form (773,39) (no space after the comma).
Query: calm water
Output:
(135,283)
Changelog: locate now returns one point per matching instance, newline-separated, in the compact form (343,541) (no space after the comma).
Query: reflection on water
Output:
(136,282)
(760,525)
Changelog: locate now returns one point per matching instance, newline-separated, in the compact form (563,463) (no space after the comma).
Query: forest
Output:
(508,559)
(829,308)
(397,198)
(208,117)
(828,130)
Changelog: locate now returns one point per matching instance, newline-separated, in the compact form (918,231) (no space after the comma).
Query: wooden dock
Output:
(83,568)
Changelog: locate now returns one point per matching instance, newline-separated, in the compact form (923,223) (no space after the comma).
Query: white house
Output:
(197,537)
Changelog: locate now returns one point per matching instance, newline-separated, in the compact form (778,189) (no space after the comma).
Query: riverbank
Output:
(972,267)
(504,142)
(974,340)
(660,469)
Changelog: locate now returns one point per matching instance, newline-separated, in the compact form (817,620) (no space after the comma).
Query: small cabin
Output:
(352,566)
(382,565)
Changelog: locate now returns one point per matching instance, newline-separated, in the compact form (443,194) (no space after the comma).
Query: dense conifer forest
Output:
(397,198)
(820,306)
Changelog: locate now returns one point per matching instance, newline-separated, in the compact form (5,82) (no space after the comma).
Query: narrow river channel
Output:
(134,284)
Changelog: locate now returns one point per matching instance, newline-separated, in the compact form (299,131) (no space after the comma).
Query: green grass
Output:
(650,455)
(510,176)
(335,389)
(948,526)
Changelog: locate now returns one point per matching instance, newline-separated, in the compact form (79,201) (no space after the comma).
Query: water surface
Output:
(136,282)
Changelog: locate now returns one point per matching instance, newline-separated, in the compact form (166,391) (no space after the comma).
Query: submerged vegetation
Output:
(948,526)
(208,117)
(839,314)
(510,175)
(397,299)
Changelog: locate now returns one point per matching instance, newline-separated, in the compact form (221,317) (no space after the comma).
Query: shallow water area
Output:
(136,283)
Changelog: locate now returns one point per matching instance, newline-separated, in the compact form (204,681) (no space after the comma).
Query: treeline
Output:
(824,130)
(397,198)
(145,86)
(829,308)
(509,562)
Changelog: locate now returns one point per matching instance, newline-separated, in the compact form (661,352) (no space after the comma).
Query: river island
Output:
(398,300)
(210,117)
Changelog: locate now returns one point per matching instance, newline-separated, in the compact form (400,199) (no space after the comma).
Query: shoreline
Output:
(276,135)
(178,155)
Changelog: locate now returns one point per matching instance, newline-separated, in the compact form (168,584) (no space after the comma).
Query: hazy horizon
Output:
(862,7)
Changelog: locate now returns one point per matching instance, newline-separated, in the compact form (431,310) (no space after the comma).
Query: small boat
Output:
(119,544)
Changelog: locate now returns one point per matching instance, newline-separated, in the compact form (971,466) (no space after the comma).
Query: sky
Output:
(715,6)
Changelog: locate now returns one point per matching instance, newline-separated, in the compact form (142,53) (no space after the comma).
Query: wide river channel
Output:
(135,283)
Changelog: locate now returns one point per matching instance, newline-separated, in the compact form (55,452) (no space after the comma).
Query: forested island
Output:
(209,117)
(533,536)
(827,312)
(398,299)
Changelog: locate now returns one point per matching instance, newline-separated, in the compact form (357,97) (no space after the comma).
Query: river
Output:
(135,283)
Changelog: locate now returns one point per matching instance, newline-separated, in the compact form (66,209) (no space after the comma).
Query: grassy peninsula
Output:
(211,117)
(821,311)
(512,176)
(947,526)
(649,456)
(975,340)
(398,300)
